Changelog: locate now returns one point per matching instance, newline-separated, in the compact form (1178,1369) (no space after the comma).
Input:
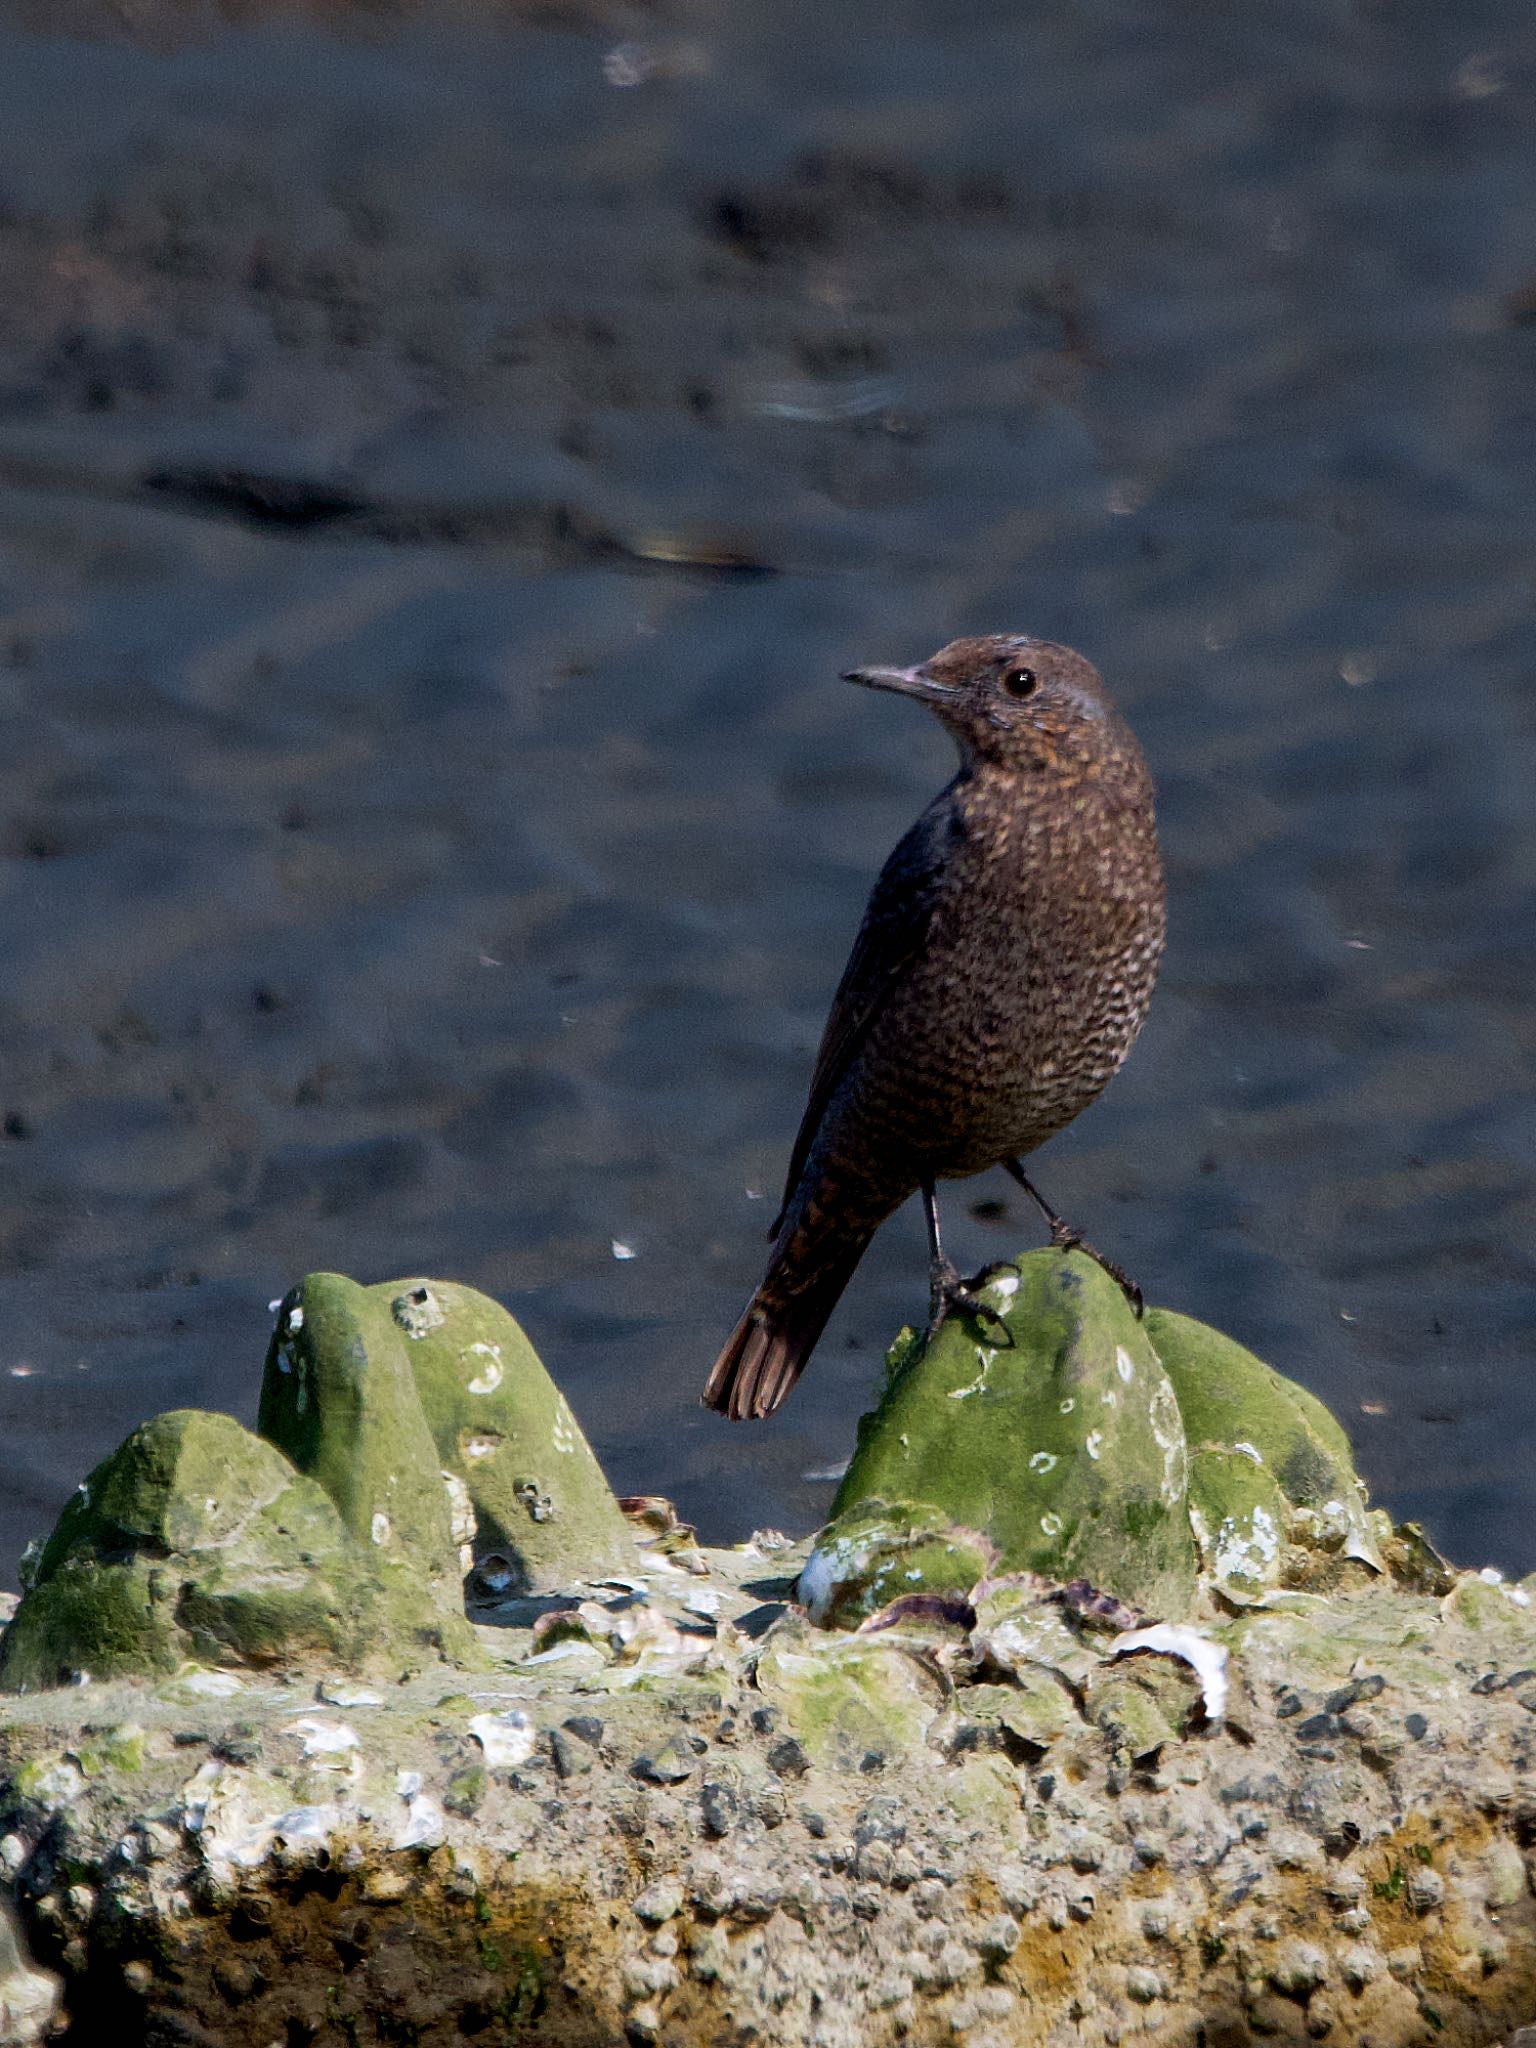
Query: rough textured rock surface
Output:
(997,1804)
(504,1430)
(695,1818)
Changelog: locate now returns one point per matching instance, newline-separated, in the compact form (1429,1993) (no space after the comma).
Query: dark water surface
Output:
(436,854)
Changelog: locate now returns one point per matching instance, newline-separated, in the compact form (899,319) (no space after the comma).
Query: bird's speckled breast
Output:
(1036,977)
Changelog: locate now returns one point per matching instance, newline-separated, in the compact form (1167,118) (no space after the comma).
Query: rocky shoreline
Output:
(921,1780)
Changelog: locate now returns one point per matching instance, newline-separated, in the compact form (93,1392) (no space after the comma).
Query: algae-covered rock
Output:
(338,1396)
(1260,1448)
(1003,1810)
(1063,1448)
(506,1432)
(194,1540)
(93,1618)
(851,1703)
(1092,1447)
(332,1536)
(879,1552)
(1143,1703)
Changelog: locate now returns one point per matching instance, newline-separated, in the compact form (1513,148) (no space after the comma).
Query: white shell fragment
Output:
(240,1820)
(324,1738)
(341,1693)
(210,1685)
(1207,1659)
(507,1739)
(425,1823)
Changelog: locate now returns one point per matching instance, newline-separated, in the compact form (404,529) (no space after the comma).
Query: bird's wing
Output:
(893,934)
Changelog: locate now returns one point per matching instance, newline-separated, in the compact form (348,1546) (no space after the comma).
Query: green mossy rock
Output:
(1064,1451)
(1260,1448)
(339,1398)
(503,1428)
(193,1541)
(95,1620)
(879,1552)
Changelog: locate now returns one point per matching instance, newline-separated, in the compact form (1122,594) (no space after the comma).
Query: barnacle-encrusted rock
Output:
(328,1540)
(994,1803)
(193,1541)
(999,1823)
(506,1432)
(1061,1445)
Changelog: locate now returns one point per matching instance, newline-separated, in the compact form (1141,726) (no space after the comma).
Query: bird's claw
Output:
(1066,1239)
(947,1292)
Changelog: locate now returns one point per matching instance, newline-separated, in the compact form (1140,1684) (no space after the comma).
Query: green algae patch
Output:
(984,1791)
(505,1431)
(852,1703)
(1062,1448)
(196,1541)
(339,1398)
(95,1620)
(121,1749)
(1324,1640)
(1488,1604)
(1268,1464)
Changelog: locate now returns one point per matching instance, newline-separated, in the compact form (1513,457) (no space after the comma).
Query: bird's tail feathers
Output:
(766,1352)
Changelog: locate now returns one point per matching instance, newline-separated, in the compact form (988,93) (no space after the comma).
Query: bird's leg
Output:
(1066,1239)
(946,1290)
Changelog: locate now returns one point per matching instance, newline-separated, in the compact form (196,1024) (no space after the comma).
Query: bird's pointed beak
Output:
(907,682)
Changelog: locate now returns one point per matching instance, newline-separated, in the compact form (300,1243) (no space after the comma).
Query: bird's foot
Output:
(1066,1239)
(948,1292)
(995,1271)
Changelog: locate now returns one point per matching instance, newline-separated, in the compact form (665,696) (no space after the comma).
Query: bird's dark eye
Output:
(1019,682)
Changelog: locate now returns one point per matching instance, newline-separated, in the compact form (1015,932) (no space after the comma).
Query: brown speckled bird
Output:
(1001,974)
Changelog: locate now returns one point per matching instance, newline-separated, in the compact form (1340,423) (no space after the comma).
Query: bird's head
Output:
(1006,696)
